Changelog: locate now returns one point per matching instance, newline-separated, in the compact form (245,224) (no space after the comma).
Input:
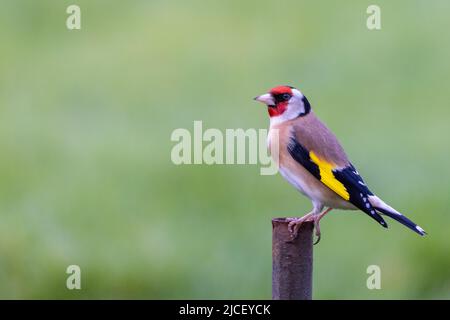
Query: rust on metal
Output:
(291,261)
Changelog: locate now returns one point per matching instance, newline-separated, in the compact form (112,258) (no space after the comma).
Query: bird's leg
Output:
(295,223)
(317,223)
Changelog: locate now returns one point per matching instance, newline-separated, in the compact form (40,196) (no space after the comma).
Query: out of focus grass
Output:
(85,124)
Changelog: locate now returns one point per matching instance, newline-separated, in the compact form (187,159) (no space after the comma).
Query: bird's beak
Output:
(266,99)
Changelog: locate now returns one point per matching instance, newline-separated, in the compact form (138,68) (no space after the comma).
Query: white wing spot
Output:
(367,205)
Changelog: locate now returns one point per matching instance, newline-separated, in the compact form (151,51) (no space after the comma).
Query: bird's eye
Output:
(286,96)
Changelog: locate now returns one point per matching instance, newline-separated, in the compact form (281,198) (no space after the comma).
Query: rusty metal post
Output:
(291,261)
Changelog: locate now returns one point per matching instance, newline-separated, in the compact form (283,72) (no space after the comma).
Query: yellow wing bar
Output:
(327,176)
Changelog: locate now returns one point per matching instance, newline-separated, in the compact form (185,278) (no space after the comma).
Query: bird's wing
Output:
(324,158)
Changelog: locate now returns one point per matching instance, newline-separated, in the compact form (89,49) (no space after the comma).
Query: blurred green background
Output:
(86,117)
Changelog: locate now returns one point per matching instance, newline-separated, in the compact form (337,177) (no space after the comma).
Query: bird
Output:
(310,157)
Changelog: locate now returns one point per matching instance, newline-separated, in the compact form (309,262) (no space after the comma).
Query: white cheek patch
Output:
(285,116)
(294,108)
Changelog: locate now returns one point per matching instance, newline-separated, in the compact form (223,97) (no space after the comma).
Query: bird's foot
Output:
(317,228)
(295,224)
(317,224)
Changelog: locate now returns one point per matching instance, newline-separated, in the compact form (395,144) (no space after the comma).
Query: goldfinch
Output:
(311,159)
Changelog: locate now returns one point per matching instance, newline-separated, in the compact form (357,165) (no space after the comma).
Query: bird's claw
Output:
(293,227)
(295,224)
(317,227)
(317,240)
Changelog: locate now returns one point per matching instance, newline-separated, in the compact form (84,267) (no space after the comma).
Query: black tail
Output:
(403,220)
